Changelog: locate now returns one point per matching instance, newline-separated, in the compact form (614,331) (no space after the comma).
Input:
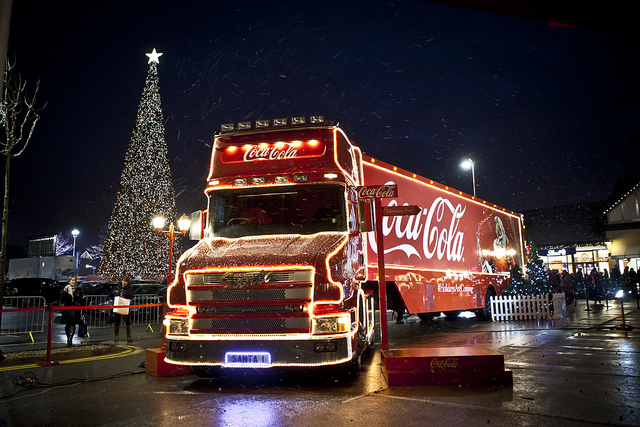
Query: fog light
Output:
(179,347)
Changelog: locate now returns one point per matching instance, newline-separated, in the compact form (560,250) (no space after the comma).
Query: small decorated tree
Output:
(535,283)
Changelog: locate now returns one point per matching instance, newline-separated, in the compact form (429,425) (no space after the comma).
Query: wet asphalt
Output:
(574,371)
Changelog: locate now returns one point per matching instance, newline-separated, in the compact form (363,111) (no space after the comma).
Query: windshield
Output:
(295,209)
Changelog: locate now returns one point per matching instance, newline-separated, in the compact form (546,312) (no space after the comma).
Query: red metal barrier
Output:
(51,308)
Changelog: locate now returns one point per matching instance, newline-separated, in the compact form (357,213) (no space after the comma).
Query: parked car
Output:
(34,286)
(98,288)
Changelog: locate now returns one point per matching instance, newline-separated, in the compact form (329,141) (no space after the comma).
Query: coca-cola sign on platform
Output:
(378,191)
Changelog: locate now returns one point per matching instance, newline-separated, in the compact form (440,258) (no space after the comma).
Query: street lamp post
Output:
(183,224)
(466,165)
(75,234)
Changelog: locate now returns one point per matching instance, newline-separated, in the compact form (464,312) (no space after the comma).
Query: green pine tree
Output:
(536,282)
(132,246)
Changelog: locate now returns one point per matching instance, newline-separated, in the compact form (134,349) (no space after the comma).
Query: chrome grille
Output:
(247,294)
(247,278)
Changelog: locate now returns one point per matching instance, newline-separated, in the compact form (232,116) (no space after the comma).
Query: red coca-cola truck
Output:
(285,275)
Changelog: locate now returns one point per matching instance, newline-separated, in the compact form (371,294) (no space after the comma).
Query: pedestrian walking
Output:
(567,286)
(72,295)
(125,290)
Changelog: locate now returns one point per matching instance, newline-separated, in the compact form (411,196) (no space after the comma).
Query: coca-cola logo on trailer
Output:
(432,234)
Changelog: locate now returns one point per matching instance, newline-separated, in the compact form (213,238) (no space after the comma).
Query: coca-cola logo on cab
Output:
(270,152)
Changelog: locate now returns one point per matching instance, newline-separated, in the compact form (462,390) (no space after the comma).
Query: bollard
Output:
(48,362)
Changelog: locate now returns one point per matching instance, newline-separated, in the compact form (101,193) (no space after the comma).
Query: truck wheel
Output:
(426,316)
(206,371)
(452,314)
(351,369)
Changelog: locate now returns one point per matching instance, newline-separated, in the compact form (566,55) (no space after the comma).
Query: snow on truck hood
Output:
(262,251)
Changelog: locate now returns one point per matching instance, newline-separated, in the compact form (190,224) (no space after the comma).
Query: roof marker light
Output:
(298,120)
(316,119)
(331,175)
(258,180)
(280,122)
(260,124)
(240,182)
(244,125)
(300,177)
(227,127)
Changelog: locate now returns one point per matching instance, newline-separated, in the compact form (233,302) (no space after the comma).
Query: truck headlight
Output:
(178,327)
(331,325)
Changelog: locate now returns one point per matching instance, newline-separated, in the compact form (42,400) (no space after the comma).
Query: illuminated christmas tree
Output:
(536,282)
(132,246)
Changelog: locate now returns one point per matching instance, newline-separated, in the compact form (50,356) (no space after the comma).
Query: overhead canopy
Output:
(625,251)
(626,243)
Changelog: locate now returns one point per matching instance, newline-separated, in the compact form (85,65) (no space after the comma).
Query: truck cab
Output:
(276,279)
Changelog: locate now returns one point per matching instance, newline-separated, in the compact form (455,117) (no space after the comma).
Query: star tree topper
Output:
(153,56)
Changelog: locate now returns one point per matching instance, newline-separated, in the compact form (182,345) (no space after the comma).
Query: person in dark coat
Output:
(567,286)
(71,295)
(124,291)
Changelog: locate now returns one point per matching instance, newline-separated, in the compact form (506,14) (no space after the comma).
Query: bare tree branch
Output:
(18,117)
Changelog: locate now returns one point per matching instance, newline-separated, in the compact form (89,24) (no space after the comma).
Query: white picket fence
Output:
(528,307)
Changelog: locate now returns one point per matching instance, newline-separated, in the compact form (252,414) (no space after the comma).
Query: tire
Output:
(425,317)
(209,372)
(452,314)
(351,370)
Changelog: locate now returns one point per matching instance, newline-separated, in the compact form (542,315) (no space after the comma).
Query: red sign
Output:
(282,150)
(401,210)
(377,192)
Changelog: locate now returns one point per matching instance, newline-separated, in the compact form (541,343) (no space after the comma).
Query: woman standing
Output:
(123,291)
(71,295)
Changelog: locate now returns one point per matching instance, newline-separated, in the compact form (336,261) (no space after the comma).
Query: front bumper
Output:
(282,353)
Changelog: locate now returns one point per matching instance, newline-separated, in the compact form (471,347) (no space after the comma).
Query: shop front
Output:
(576,257)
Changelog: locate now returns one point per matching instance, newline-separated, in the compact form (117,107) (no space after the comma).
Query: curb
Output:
(60,353)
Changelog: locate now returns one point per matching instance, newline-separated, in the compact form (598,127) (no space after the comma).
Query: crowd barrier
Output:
(23,315)
(97,316)
(527,307)
(137,310)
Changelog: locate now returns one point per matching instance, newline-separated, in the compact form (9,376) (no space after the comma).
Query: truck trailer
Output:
(285,276)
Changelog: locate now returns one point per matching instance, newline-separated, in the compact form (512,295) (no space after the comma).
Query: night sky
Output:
(549,115)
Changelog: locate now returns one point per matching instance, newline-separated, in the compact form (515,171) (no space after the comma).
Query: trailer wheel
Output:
(425,317)
(452,314)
